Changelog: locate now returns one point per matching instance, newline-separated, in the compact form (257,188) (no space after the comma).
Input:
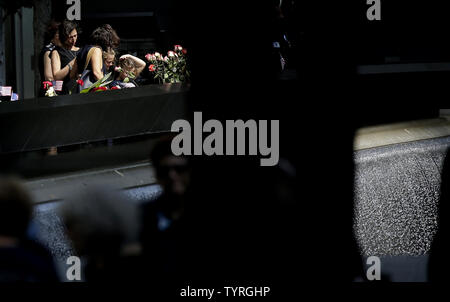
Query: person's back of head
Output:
(102,223)
(15,208)
(21,259)
(172,172)
(51,32)
(105,37)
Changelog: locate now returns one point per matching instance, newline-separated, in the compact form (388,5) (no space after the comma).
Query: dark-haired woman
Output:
(102,41)
(51,41)
(63,58)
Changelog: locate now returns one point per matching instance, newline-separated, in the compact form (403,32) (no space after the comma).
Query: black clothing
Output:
(67,56)
(163,240)
(28,262)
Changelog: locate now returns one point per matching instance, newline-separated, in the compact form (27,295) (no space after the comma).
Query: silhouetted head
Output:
(16,208)
(172,172)
(100,222)
(52,33)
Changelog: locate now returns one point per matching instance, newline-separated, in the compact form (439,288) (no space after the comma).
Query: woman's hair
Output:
(127,64)
(66,28)
(105,37)
(51,31)
(108,52)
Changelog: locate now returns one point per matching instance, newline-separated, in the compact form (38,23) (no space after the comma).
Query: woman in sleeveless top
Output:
(95,64)
(63,58)
(104,39)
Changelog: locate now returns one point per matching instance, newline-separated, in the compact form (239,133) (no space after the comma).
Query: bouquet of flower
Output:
(49,90)
(171,68)
(100,85)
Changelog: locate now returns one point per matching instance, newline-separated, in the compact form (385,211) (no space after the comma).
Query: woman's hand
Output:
(125,56)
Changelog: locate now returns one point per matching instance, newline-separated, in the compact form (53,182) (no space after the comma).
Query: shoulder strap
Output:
(88,58)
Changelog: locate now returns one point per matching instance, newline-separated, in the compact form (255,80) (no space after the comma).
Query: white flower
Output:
(50,92)
(170,53)
(174,69)
(157,54)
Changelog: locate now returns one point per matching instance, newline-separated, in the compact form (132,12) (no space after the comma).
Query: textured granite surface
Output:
(397,191)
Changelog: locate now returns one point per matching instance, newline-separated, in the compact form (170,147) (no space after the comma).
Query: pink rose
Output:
(171,53)
(166,59)
(178,48)
(148,57)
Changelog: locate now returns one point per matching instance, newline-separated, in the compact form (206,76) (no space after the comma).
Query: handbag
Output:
(87,75)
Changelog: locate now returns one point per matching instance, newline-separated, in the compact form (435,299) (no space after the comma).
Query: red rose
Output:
(115,88)
(184,51)
(47,84)
(152,67)
(80,82)
(99,89)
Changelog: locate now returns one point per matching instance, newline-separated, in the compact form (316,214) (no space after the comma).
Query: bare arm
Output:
(74,71)
(140,64)
(48,73)
(97,63)
(60,73)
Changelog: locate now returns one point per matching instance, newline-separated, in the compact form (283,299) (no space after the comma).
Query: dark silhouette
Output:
(164,234)
(241,228)
(102,225)
(21,260)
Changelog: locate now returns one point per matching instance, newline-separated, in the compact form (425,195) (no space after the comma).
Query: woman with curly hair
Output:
(91,58)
